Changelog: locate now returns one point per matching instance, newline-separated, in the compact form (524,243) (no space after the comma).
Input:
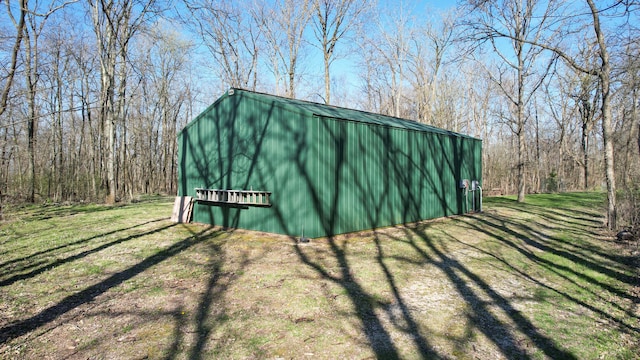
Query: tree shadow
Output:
(89,294)
(409,183)
(411,328)
(208,317)
(326,203)
(527,235)
(226,161)
(472,288)
(521,238)
(570,221)
(620,322)
(364,303)
(48,211)
(39,261)
(38,213)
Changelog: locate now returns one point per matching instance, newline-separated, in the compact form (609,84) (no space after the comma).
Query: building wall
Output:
(328,176)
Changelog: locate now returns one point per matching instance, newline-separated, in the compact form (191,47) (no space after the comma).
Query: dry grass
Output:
(539,280)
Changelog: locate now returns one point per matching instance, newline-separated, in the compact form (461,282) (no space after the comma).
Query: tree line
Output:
(94,92)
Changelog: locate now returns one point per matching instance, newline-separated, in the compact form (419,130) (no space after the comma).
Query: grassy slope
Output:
(530,280)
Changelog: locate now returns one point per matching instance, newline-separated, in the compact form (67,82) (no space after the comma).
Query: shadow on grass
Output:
(575,251)
(526,235)
(620,322)
(39,260)
(521,238)
(48,315)
(208,316)
(466,281)
(364,304)
(518,336)
(571,221)
(411,328)
(50,211)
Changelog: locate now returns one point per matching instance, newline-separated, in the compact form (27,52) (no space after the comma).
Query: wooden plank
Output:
(182,208)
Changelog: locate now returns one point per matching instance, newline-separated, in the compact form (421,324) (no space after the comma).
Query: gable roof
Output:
(336,112)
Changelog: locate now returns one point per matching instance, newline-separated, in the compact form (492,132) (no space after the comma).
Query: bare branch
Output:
(20,28)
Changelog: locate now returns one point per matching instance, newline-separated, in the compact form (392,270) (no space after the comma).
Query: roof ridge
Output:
(331,105)
(392,121)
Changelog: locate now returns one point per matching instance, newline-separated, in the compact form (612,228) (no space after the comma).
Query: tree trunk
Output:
(634,113)
(30,65)
(585,152)
(121,116)
(110,133)
(521,165)
(604,74)
(327,79)
(520,120)
(537,186)
(608,157)
(292,78)
(20,27)
(58,138)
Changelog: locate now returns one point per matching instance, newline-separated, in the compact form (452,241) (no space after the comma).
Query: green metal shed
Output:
(268,163)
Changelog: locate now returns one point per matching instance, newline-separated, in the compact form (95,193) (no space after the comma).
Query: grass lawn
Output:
(536,280)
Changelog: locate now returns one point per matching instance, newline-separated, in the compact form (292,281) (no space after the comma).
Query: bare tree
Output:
(58,83)
(586,98)
(231,38)
(161,60)
(88,133)
(518,74)
(602,70)
(628,75)
(114,24)
(36,22)
(32,77)
(283,23)
(428,55)
(332,21)
(604,74)
(60,89)
(386,46)
(11,70)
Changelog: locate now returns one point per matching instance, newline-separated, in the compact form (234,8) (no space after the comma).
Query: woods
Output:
(94,93)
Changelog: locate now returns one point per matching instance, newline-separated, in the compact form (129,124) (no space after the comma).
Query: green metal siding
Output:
(329,174)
